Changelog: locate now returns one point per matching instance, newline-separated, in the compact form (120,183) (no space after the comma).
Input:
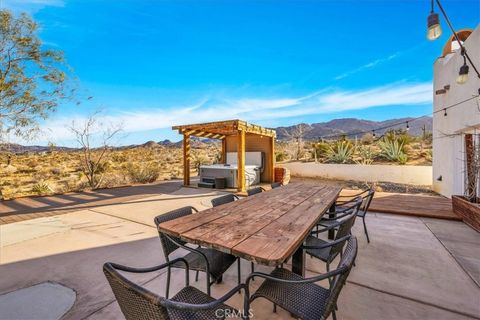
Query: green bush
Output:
(281,156)
(366,155)
(320,149)
(340,152)
(393,150)
(42,188)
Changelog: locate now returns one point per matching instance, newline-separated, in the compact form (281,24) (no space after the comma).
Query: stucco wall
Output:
(448,151)
(416,175)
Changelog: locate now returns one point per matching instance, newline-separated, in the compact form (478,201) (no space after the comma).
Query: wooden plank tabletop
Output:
(265,228)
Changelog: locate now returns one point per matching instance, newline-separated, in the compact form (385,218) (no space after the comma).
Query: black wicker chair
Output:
(224,199)
(276,185)
(327,251)
(214,263)
(303,298)
(367,197)
(138,303)
(256,190)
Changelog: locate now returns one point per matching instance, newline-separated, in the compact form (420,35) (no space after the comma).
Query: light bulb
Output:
(462,75)
(434,30)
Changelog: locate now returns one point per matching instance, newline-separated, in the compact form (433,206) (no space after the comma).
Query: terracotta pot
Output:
(468,211)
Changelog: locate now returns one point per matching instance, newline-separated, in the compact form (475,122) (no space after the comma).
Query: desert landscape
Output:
(38,171)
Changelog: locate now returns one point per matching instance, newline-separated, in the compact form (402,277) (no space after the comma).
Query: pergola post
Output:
(224,151)
(241,161)
(186,160)
(272,158)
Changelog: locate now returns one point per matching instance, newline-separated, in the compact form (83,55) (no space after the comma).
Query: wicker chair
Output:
(214,263)
(327,251)
(303,298)
(276,185)
(256,190)
(367,197)
(224,199)
(139,303)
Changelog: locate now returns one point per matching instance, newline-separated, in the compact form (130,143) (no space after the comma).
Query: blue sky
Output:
(152,64)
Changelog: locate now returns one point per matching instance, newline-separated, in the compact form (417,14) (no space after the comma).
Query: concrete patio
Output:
(414,268)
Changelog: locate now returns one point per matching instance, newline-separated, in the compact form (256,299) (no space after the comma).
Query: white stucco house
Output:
(450,125)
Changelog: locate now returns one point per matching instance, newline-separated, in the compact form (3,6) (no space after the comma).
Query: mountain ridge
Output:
(313,131)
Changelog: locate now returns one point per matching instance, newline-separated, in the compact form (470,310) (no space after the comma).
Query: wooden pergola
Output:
(237,136)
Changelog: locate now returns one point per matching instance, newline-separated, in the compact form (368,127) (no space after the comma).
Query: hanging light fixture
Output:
(463,74)
(434,30)
(373,133)
(408,127)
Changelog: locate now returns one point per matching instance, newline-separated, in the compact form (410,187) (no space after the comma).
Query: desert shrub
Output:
(42,188)
(427,154)
(7,193)
(393,150)
(402,138)
(367,138)
(281,156)
(143,173)
(340,152)
(198,160)
(10,169)
(119,157)
(427,138)
(56,171)
(32,163)
(366,155)
(320,149)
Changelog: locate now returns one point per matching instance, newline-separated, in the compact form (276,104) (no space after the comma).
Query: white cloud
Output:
(367,66)
(254,109)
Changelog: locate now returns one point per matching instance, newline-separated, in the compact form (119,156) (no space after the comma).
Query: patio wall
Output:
(416,175)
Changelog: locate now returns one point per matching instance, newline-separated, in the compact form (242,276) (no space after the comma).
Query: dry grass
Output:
(59,172)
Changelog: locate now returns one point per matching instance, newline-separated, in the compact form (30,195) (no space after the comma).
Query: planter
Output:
(468,211)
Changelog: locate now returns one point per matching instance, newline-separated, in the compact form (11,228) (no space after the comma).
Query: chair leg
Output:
(196,276)
(334,315)
(253,267)
(219,280)
(168,283)
(365,228)
(207,276)
(239,274)
(274,308)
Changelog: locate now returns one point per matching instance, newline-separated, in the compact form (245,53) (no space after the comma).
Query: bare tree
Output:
(94,160)
(296,137)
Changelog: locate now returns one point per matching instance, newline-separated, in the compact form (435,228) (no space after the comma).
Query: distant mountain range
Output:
(310,132)
(352,125)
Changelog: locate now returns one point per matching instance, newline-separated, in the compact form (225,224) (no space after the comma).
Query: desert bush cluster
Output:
(394,147)
(54,172)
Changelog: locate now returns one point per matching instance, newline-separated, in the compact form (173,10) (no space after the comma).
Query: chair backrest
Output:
(168,245)
(346,263)
(345,227)
(253,191)
(367,200)
(223,199)
(276,185)
(134,301)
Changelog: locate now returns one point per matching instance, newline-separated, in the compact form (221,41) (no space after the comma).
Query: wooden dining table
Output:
(267,228)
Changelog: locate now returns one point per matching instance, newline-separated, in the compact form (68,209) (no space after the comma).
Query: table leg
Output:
(298,262)
(331,233)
